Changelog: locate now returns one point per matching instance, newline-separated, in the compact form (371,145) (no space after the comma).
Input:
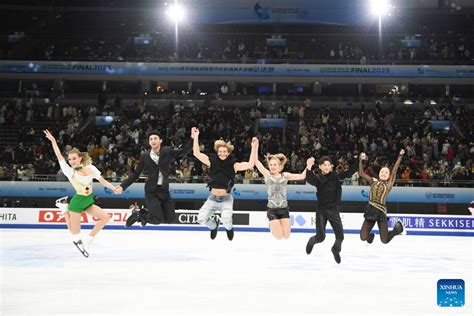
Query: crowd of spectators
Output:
(432,156)
(254,49)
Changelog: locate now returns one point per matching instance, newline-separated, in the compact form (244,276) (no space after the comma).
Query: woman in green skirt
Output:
(80,172)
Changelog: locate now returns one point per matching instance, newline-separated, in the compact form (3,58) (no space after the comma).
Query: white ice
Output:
(185,273)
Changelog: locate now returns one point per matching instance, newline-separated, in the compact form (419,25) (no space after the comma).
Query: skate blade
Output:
(81,249)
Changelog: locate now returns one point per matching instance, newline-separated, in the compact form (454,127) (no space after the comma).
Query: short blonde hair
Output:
(220,143)
(279,157)
(86,159)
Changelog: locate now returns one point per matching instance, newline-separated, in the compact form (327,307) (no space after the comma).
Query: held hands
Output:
(310,163)
(254,141)
(402,152)
(49,136)
(118,190)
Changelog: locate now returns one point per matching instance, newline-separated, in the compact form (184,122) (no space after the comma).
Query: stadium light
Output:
(175,12)
(380,7)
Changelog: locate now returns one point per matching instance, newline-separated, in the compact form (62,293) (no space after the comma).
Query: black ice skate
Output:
(310,244)
(230,234)
(80,245)
(336,255)
(399,228)
(370,239)
(214,231)
(142,217)
(133,218)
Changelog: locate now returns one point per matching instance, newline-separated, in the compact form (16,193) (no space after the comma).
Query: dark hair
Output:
(153,132)
(323,159)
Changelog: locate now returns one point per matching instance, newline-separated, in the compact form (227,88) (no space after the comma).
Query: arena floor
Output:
(185,273)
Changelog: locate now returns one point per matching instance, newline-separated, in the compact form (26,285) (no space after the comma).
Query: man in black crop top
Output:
(222,169)
(329,190)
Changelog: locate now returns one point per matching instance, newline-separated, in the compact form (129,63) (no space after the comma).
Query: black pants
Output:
(161,208)
(331,215)
(373,215)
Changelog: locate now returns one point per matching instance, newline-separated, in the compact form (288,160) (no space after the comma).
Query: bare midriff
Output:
(219,192)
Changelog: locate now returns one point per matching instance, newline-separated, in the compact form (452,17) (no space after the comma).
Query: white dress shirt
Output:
(156,159)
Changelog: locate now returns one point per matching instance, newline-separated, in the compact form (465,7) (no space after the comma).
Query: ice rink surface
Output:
(138,272)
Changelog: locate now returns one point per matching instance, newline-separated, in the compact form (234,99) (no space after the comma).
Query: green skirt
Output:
(79,203)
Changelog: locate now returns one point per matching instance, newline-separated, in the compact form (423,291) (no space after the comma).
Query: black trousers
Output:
(331,215)
(373,215)
(161,208)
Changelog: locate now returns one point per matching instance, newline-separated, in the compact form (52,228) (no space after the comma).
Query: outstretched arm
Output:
(261,168)
(51,138)
(134,175)
(361,169)
(348,173)
(65,168)
(311,178)
(196,151)
(241,166)
(107,184)
(302,175)
(393,175)
(264,171)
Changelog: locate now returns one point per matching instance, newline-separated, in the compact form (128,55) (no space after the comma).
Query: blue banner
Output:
(243,192)
(344,12)
(236,70)
(435,222)
(271,123)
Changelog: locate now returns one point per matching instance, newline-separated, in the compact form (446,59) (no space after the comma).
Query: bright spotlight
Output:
(380,7)
(175,12)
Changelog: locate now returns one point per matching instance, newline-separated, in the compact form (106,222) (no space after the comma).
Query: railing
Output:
(195,179)
(269,60)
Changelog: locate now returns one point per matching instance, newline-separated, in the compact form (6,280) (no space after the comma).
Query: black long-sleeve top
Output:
(147,165)
(328,186)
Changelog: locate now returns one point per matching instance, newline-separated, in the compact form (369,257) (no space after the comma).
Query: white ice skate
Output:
(62,204)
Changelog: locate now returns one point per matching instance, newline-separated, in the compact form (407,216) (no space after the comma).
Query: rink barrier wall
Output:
(195,191)
(186,220)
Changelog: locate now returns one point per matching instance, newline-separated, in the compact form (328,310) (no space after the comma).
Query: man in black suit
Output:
(155,163)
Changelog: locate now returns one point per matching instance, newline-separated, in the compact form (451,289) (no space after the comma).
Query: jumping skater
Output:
(329,190)
(276,182)
(155,163)
(376,210)
(222,170)
(80,172)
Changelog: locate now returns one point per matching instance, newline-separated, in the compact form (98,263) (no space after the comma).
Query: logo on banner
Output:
(430,195)
(190,218)
(235,192)
(364,193)
(298,220)
(262,13)
(451,293)
(53,216)
(7,217)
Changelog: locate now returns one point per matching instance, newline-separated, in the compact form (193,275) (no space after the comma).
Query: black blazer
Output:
(151,169)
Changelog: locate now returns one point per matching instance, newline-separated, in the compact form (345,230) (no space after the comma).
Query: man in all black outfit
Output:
(155,163)
(329,190)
